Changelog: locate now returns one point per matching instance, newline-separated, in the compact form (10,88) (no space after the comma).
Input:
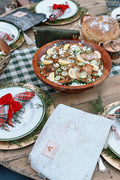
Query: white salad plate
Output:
(46,8)
(31,116)
(10,29)
(115,12)
(113,142)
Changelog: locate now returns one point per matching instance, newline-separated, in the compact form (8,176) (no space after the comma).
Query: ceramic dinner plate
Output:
(113,143)
(46,8)
(115,12)
(10,29)
(31,116)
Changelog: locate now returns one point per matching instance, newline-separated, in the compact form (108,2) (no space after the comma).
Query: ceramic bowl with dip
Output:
(113,48)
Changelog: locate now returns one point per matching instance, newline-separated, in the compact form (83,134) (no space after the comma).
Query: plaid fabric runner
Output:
(115,70)
(20,97)
(20,69)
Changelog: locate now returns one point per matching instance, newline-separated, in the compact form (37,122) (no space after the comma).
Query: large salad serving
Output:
(71,64)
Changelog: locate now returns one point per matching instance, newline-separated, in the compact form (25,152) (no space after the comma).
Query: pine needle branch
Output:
(96,106)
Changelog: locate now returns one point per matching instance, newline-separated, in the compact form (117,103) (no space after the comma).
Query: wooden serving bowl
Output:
(72,89)
(4,62)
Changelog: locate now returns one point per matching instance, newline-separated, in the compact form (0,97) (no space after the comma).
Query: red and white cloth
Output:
(59,10)
(6,36)
(117,112)
(10,105)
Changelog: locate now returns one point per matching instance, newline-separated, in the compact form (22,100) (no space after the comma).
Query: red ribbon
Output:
(60,6)
(14,106)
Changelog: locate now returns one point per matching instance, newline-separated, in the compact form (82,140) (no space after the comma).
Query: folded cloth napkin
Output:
(14,104)
(117,113)
(59,10)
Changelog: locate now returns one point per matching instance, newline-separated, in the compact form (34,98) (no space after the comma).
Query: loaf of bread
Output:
(100,28)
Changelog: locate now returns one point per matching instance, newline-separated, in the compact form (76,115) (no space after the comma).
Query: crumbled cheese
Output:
(43,57)
(2,53)
(75,48)
(77,84)
(54,56)
(61,51)
(99,73)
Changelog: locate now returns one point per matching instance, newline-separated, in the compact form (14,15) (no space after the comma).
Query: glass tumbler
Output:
(111,4)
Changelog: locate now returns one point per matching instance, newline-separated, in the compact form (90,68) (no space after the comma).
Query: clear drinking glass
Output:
(111,4)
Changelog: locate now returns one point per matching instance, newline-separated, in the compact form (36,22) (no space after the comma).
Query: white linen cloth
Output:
(69,144)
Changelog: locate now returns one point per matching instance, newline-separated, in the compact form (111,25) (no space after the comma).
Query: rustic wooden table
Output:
(17,160)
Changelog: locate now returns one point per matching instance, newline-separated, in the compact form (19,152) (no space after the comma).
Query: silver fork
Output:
(101,166)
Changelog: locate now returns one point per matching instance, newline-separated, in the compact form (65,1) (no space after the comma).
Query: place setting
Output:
(22,19)
(11,34)
(21,125)
(112,154)
(60,13)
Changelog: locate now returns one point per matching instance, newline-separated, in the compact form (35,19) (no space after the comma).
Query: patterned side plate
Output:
(18,43)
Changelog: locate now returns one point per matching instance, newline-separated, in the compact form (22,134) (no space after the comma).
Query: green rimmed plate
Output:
(115,12)
(29,119)
(115,162)
(113,142)
(9,28)
(45,7)
(17,44)
(70,17)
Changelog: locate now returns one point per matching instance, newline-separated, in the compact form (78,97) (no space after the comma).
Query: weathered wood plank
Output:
(17,160)
(109,91)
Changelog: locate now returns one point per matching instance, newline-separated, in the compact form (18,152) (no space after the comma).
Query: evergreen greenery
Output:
(96,107)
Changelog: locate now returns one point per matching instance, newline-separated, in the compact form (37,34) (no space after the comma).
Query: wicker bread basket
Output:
(4,62)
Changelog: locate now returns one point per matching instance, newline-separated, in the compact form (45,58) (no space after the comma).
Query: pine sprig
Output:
(108,152)
(96,106)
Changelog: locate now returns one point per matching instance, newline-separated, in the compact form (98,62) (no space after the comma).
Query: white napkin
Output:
(69,144)
(27,39)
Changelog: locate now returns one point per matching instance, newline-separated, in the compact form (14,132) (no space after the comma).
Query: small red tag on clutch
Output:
(50,149)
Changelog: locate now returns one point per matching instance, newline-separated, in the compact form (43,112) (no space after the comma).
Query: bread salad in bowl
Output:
(71,64)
